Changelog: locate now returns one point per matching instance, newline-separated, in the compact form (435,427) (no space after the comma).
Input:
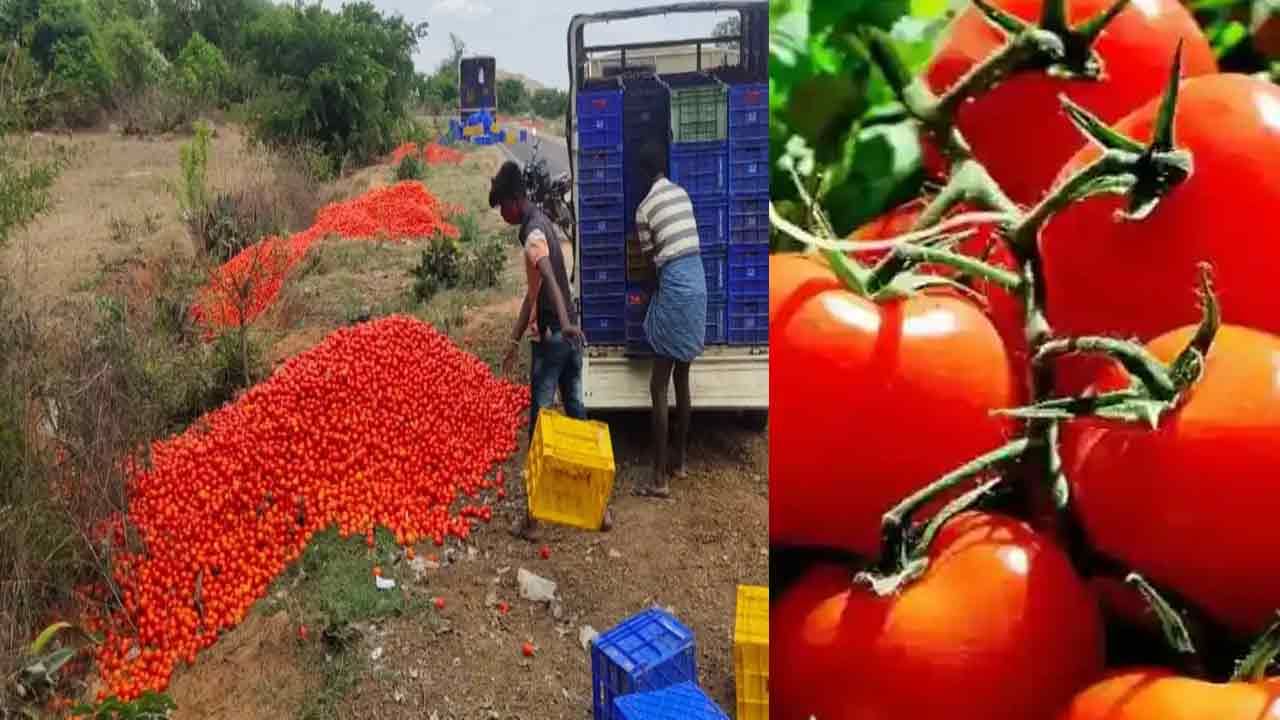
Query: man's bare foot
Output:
(607,524)
(526,528)
(654,490)
(679,472)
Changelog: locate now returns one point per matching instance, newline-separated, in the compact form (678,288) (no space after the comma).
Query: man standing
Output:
(547,317)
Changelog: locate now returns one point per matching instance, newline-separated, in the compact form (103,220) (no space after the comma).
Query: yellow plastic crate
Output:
(751,652)
(569,471)
(510,138)
(472,130)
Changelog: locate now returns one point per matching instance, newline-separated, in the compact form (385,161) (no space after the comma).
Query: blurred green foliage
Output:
(834,115)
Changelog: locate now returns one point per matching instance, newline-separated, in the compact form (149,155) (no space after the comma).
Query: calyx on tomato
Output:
(1154,388)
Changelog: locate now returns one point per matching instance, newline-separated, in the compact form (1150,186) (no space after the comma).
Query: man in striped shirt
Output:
(676,322)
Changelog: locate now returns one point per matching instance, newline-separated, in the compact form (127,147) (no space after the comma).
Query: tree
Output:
(550,103)
(512,96)
(202,71)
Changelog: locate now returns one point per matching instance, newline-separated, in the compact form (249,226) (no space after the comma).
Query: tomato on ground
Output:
(1018,130)
(869,402)
(999,627)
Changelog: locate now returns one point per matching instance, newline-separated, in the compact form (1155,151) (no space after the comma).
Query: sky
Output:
(529,36)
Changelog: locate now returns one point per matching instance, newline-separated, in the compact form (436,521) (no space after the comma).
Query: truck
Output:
(725,378)
(477,86)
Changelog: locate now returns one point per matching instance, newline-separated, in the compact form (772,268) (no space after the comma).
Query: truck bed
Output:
(723,378)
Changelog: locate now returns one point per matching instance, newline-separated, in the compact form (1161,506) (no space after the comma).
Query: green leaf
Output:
(927,9)
(848,14)
(46,636)
(1227,36)
(880,165)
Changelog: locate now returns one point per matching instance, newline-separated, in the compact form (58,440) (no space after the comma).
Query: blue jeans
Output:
(556,365)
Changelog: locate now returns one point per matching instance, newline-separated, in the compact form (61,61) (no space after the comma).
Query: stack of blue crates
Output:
(602,213)
(646,109)
(647,664)
(748,265)
(699,162)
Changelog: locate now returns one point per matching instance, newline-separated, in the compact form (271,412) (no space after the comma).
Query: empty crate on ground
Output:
(569,470)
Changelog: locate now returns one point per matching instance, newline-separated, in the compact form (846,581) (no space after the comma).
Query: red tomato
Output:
(965,641)
(1003,307)
(545,552)
(1018,130)
(911,382)
(1158,694)
(439,603)
(1139,279)
(528,649)
(1203,488)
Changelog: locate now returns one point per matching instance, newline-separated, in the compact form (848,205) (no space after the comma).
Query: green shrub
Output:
(485,262)
(202,72)
(440,269)
(137,62)
(468,228)
(192,189)
(411,167)
(234,220)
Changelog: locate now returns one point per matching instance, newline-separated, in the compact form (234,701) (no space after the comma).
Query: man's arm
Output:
(522,321)
(548,276)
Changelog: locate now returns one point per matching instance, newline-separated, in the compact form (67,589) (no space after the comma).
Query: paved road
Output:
(552,149)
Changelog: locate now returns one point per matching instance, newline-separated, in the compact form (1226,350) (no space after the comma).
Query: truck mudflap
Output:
(724,378)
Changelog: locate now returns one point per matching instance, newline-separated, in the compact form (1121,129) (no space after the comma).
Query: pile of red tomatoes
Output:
(246,285)
(382,424)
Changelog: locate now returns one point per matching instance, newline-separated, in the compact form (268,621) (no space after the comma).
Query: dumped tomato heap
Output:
(1075,449)
(382,424)
(403,151)
(248,283)
(437,154)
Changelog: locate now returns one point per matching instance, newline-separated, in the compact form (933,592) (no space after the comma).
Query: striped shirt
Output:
(665,223)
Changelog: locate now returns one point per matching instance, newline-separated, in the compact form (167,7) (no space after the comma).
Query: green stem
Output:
(1253,667)
(969,183)
(1108,173)
(959,261)
(1175,630)
(1136,359)
(894,524)
(854,276)
(1029,47)
(949,511)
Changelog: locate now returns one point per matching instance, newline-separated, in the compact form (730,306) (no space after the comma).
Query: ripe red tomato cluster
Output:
(872,400)
(382,424)
(404,211)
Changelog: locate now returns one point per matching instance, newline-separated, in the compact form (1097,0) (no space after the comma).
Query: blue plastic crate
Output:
(651,650)
(749,220)
(601,103)
(700,171)
(749,168)
(599,174)
(612,286)
(600,214)
(685,701)
(713,224)
(717,319)
(604,256)
(597,133)
(638,296)
(715,265)
(749,112)
(604,319)
(748,316)
(646,108)
(603,269)
(748,269)
(614,241)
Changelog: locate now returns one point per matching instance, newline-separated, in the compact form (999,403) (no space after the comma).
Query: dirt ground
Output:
(688,553)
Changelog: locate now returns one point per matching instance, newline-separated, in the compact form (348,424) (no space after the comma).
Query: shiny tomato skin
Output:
(1158,694)
(869,402)
(1018,130)
(964,642)
(1192,504)
(1003,307)
(1139,279)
